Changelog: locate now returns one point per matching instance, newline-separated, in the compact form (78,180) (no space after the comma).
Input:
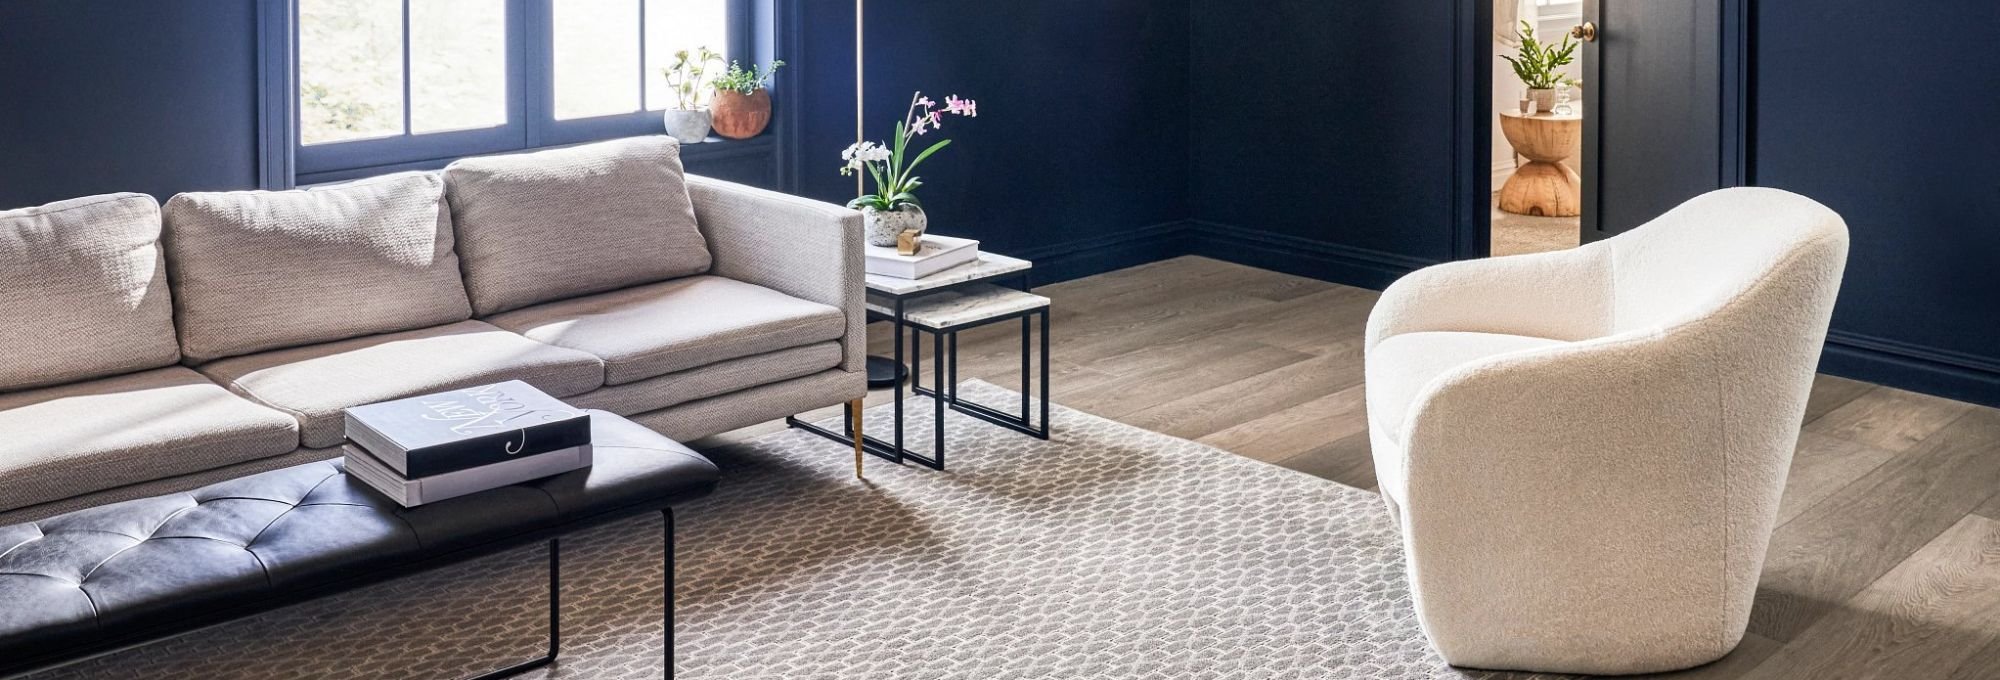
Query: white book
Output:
(934,254)
(411,493)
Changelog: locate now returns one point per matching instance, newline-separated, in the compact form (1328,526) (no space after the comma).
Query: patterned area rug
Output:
(1108,552)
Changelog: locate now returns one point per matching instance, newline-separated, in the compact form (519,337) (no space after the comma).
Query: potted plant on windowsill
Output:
(893,209)
(688,78)
(742,104)
(1539,65)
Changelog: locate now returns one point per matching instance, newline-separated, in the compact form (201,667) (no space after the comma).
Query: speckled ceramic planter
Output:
(690,127)
(884,227)
(1545,99)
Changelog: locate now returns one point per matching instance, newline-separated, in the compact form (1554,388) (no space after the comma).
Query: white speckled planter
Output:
(690,127)
(884,227)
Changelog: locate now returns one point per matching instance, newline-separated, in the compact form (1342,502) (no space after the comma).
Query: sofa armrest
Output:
(800,247)
(1563,295)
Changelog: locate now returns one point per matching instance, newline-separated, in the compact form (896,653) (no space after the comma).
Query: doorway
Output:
(1537,126)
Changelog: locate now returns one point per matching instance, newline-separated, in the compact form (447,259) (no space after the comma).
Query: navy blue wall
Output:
(132,95)
(1886,112)
(1304,136)
(158,97)
(1079,157)
(1323,140)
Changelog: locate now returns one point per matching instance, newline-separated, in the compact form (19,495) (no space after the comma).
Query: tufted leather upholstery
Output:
(127,567)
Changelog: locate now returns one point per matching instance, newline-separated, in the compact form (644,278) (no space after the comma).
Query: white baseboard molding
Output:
(1501,171)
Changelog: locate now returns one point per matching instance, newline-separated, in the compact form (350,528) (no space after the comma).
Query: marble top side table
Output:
(896,300)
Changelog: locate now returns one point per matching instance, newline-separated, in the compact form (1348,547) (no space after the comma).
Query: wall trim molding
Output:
(1945,373)
(1104,252)
(1343,264)
(1332,262)
(1501,171)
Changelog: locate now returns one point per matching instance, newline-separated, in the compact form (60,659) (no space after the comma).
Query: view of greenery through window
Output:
(351,61)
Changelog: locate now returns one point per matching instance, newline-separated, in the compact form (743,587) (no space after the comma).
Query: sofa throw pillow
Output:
(556,224)
(83,291)
(261,270)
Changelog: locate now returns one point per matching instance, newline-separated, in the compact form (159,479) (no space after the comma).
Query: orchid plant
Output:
(895,180)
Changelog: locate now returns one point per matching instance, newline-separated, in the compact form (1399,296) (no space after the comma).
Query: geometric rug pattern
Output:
(1106,552)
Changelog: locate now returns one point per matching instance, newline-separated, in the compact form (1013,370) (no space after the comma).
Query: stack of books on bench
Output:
(434,447)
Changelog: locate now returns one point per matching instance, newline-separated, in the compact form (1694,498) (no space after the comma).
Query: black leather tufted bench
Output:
(125,574)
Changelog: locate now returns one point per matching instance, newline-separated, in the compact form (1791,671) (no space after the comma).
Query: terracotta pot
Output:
(742,116)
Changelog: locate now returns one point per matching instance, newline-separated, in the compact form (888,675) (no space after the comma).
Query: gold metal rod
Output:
(860,110)
(855,406)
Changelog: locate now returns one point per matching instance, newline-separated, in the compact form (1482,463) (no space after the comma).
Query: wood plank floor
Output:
(1885,564)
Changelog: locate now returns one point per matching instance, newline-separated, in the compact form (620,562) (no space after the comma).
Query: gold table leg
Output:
(854,407)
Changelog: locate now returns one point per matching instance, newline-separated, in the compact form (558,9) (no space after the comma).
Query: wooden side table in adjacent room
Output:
(1543,186)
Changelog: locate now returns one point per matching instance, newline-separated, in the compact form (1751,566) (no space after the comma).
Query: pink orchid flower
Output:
(962,107)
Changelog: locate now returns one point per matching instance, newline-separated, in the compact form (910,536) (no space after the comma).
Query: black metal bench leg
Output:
(667,515)
(555,621)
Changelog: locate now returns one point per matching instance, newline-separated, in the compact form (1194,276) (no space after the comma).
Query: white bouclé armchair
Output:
(1585,449)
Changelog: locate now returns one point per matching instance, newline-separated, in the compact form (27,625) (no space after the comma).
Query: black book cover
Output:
(451,431)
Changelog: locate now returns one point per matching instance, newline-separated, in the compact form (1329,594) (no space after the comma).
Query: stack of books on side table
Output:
(427,449)
(934,254)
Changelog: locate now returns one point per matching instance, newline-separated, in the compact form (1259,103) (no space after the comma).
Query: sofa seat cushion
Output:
(722,377)
(548,225)
(262,270)
(83,291)
(1401,366)
(676,325)
(315,383)
(59,442)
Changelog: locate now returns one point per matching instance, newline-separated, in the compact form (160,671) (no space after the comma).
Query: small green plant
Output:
(1540,63)
(688,77)
(746,81)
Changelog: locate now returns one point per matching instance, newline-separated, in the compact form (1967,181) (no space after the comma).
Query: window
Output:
(384,84)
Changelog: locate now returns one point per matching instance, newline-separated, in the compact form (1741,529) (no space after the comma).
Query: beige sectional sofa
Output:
(151,348)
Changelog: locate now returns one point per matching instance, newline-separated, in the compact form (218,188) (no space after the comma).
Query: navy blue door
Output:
(1662,114)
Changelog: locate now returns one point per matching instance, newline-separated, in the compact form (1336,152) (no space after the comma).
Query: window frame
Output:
(530,98)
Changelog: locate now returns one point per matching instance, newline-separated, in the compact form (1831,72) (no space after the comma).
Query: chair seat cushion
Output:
(315,383)
(672,326)
(59,442)
(143,565)
(1401,366)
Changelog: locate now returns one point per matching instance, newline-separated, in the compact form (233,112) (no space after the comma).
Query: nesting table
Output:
(942,305)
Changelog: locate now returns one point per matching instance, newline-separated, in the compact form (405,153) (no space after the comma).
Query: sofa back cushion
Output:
(83,291)
(260,270)
(556,224)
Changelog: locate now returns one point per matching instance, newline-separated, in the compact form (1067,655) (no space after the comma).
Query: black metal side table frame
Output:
(893,449)
(945,375)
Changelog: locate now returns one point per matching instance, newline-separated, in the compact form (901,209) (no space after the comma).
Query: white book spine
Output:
(411,493)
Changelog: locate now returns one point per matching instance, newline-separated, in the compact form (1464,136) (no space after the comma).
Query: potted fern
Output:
(688,79)
(742,104)
(1539,65)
